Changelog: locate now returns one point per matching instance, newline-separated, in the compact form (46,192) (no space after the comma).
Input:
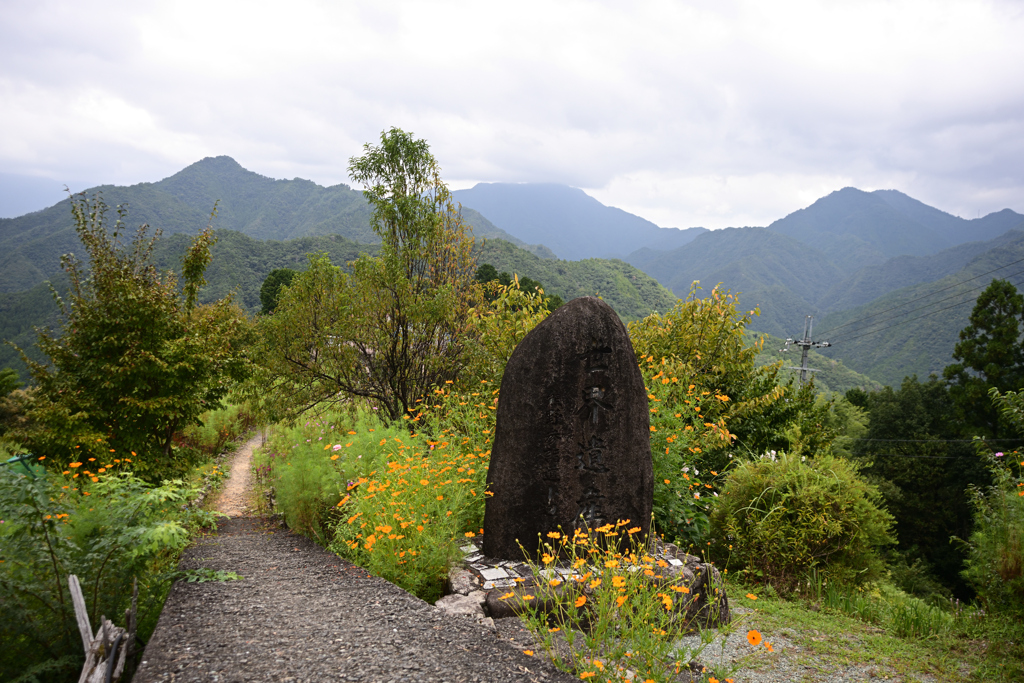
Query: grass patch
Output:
(862,632)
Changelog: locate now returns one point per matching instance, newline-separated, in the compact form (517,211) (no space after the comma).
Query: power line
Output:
(934,303)
(866,334)
(925,296)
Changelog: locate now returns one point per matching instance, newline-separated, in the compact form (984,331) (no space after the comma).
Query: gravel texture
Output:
(304,614)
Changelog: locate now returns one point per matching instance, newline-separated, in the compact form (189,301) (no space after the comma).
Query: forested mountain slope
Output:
(261,207)
(913,330)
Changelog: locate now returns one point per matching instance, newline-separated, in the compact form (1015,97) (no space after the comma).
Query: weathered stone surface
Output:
(572,442)
(464,605)
(460,580)
(706,605)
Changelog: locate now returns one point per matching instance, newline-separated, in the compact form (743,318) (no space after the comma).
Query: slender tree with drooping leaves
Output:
(400,323)
(136,358)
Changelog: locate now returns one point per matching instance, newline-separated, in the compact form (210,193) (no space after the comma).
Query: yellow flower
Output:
(611,564)
(554,534)
(595,583)
(619,600)
(555,582)
(751,596)
(528,653)
(580,601)
(587,674)
(618,581)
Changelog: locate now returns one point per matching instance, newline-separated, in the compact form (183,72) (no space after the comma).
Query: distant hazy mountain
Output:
(261,207)
(569,221)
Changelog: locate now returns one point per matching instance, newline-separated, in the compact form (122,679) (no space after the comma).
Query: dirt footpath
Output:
(233,500)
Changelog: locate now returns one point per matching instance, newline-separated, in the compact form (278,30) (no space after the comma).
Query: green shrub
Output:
(395,499)
(779,518)
(215,430)
(995,561)
(108,531)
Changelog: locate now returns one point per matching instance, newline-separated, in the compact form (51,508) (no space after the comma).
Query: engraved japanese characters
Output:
(572,442)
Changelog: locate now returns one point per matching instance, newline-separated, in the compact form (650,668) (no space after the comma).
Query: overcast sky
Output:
(703,113)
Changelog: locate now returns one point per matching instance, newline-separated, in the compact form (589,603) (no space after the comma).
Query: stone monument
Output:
(572,441)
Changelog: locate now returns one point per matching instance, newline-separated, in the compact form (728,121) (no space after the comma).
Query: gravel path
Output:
(304,614)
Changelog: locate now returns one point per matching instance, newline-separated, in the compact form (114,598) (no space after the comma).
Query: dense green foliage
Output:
(990,356)
(107,533)
(781,517)
(135,360)
(919,456)
(271,289)
(399,324)
(995,561)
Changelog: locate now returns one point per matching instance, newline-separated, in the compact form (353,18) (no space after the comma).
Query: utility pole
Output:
(805,345)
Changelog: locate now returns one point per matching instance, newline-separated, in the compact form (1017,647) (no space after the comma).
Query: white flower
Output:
(697,495)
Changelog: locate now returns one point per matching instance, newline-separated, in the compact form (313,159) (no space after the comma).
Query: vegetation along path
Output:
(303,614)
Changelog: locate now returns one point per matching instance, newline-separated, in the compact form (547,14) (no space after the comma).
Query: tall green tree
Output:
(989,355)
(916,453)
(135,358)
(271,289)
(400,323)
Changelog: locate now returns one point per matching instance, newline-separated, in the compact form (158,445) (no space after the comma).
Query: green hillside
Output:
(872,282)
(774,272)
(241,263)
(831,375)
(913,330)
(261,207)
(630,292)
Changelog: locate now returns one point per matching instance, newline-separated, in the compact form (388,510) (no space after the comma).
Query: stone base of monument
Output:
(477,584)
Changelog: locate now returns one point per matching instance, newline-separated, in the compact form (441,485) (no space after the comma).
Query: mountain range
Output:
(880,268)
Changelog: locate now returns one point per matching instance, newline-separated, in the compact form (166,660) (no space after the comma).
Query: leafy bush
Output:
(330,474)
(995,560)
(681,435)
(781,517)
(215,430)
(107,531)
